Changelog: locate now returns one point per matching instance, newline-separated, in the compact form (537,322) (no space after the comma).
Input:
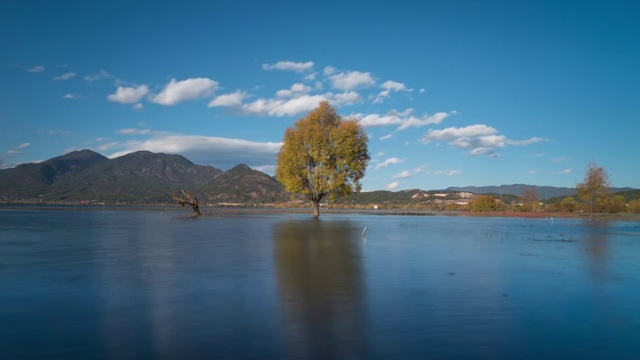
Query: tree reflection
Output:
(320,288)
(597,242)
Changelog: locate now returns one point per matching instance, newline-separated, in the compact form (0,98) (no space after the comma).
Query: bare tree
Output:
(187,199)
(595,184)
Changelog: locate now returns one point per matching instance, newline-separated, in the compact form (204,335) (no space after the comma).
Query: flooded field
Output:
(158,284)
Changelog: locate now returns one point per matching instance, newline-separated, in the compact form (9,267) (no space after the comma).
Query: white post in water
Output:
(364,231)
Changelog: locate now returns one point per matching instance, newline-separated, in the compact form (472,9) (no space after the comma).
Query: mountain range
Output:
(144,177)
(139,177)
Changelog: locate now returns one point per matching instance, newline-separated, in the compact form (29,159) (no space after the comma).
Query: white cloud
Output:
(138,106)
(422,169)
(481,139)
(422,91)
(328,70)
(448,172)
(351,80)
(215,151)
(70,96)
(393,185)
(559,159)
(289,66)
(565,171)
(295,89)
(24,145)
(453,133)
(311,77)
(298,104)
(14,152)
(387,137)
(230,100)
(394,86)
(65,76)
(130,131)
(403,175)
(128,95)
(190,89)
(404,119)
(389,87)
(387,162)
(36,69)
(533,171)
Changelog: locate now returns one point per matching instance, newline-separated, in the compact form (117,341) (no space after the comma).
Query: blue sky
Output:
(451,93)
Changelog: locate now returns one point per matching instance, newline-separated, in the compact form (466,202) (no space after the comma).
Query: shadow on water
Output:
(320,290)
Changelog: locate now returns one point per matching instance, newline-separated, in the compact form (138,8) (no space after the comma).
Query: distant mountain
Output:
(139,177)
(146,177)
(31,180)
(544,192)
(241,184)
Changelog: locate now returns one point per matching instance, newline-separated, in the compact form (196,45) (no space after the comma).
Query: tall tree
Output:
(595,184)
(323,155)
(530,201)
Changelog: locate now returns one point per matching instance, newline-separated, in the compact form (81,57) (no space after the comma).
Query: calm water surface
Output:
(151,284)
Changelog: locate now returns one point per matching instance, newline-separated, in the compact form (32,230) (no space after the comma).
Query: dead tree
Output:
(187,199)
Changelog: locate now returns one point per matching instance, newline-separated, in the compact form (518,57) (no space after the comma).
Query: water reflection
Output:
(597,245)
(319,274)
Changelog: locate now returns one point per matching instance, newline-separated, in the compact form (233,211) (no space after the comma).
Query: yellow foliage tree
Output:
(321,155)
(595,184)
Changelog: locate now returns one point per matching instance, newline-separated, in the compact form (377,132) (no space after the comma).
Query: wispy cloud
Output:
(289,66)
(176,91)
(102,74)
(23,145)
(215,151)
(65,76)
(565,171)
(36,69)
(404,120)
(403,175)
(480,139)
(389,87)
(448,172)
(559,159)
(70,96)
(422,169)
(131,131)
(393,185)
(388,162)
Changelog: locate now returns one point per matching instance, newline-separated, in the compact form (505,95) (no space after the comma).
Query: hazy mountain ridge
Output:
(544,192)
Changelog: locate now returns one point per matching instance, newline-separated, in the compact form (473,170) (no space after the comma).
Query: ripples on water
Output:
(151,284)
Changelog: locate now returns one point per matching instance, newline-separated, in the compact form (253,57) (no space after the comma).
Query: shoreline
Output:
(208,211)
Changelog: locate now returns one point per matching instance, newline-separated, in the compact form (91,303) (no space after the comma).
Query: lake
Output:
(123,284)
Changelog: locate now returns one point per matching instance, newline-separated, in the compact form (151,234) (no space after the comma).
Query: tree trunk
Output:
(316,208)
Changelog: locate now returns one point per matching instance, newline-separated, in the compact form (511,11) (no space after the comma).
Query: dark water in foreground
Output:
(146,284)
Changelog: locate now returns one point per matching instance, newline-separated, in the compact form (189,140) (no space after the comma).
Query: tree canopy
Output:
(322,154)
(595,184)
